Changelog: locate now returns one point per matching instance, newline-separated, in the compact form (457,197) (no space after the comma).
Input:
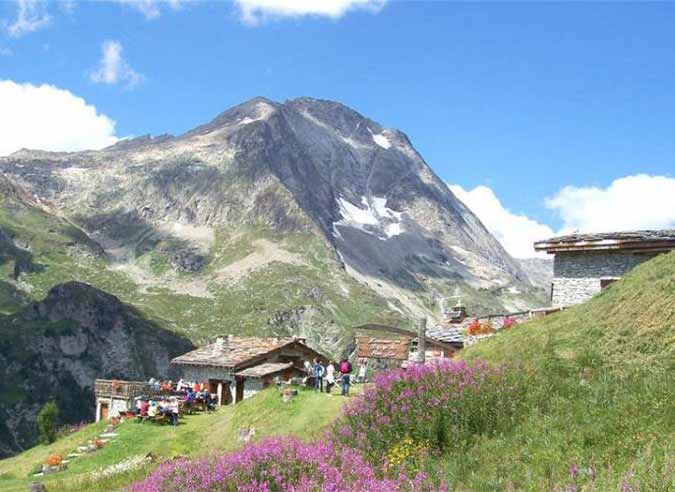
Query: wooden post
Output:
(421,340)
(220,393)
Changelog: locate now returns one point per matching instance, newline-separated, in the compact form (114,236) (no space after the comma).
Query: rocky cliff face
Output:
(56,348)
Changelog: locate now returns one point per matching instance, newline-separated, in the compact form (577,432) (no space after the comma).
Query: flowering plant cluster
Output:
(476,328)
(380,445)
(473,328)
(408,454)
(442,404)
(54,460)
(279,465)
(508,322)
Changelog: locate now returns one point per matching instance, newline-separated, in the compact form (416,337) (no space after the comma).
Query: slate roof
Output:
(447,334)
(232,351)
(647,239)
(262,370)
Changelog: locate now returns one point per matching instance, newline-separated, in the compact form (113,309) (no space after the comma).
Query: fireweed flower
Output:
(378,446)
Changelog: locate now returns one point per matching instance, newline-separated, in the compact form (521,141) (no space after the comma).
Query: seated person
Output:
(152,409)
(144,407)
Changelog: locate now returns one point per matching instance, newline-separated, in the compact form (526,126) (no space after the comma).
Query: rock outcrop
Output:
(56,348)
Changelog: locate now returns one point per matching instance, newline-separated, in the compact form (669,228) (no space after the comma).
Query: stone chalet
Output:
(236,368)
(584,264)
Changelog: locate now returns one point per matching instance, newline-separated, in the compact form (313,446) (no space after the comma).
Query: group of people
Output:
(333,375)
(168,407)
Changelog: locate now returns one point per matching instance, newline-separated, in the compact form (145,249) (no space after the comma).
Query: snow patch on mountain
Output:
(380,139)
(262,111)
(372,217)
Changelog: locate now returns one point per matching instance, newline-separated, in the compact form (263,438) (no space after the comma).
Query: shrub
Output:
(47,422)
(508,322)
(279,465)
(444,404)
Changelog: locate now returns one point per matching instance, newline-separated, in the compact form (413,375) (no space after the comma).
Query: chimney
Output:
(421,340)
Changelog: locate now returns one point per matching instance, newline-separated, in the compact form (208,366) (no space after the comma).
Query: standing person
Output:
(330,377)
(345,371)
(173,408)
(318,376)
(362,372)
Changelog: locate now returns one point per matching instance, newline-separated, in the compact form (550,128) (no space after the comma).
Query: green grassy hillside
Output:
(306,417)
(601,395)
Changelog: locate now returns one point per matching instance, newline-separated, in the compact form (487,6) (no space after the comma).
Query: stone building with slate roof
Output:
(235,368)
(386,347)
(584,264)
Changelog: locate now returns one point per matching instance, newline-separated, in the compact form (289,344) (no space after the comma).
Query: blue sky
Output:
(523,99)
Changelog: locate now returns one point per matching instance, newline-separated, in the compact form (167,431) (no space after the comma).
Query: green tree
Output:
(46,422)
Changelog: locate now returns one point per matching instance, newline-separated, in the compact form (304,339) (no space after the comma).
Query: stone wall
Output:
(252,386)
(577,276)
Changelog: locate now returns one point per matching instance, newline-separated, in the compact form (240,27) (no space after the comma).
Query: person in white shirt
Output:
(362,372)
(330,377)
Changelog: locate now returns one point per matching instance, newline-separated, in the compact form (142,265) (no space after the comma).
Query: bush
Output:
(279,465)
(47,422)
(434,406)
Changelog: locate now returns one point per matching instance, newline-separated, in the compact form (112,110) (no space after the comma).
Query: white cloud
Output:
(253,12)
(46,117)
(640,201)
(152,9)
(4,51)
(31,16)
(113,68)
(517,233)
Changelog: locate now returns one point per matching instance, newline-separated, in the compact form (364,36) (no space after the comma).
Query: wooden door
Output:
(104,411)
(240,390)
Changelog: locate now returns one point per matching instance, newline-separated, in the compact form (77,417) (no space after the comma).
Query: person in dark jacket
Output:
(318,375)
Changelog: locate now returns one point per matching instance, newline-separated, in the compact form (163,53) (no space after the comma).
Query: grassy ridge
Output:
(601,395)
(306,417)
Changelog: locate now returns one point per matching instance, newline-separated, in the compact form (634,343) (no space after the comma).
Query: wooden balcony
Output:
(123,389)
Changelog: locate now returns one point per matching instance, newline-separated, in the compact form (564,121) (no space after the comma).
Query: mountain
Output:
(301,217)
(56,348)
(539,271)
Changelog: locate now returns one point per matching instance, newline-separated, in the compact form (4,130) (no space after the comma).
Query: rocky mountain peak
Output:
(256,109)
